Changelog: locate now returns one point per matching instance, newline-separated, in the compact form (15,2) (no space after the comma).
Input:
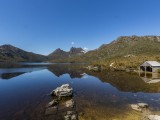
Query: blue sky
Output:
(41,26)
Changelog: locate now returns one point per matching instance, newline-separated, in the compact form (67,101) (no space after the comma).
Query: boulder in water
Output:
(153,117)
(139,106)
(63,91)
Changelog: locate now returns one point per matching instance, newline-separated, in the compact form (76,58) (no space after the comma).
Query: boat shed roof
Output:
(151,63)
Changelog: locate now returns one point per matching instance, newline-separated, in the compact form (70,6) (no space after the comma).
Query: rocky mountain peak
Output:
(7,46)
(58,50)
(59,54)
(75,50)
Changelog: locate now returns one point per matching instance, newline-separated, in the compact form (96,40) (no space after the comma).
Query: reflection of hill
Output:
(74,71)
(10,75)
(122,81)
(126,82)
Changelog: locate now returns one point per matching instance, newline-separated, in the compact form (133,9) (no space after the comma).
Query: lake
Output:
(104,95)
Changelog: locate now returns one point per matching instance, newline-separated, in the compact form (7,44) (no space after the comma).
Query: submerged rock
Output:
(143,105)
(51,110)
(70,103)
(74,117)
(63,91)
(71,115)
(52,103)
(153,117)
(139,106)
(136,107)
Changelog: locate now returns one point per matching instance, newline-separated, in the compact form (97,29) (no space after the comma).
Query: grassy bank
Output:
(123,63)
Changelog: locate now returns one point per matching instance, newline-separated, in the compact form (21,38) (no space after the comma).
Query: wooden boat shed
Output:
(150,66)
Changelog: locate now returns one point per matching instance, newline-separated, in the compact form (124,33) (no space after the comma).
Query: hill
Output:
(14,54)
(126,51)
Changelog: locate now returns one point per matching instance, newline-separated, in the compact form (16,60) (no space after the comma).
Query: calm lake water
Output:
(99,95)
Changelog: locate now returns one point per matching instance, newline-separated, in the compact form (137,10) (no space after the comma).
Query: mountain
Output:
(11,53)
(125,51)
(76,51)
(128,45)
(59,55)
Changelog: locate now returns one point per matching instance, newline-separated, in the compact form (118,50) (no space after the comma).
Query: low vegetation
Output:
(158,70)
(123,63)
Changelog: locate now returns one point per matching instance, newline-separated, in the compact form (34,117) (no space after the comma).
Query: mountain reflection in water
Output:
(8,73)
(98,95)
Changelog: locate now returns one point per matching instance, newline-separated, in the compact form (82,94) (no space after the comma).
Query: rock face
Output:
(76,51)
(63,91)
(59,54)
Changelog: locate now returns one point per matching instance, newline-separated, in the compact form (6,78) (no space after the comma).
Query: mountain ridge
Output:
(124,47)
(11,53)
(60,55)
(124,52)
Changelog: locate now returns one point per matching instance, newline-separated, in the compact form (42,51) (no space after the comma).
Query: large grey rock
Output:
(143,105)
(63,91)
(153,117)
(136,107)
(139,106)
